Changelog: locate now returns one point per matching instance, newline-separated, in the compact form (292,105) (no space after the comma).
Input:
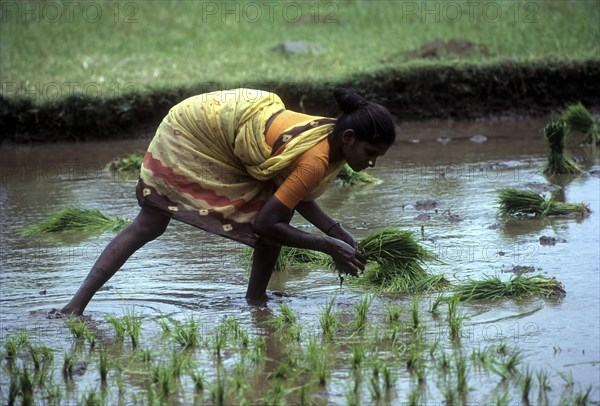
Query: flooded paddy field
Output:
(318,343)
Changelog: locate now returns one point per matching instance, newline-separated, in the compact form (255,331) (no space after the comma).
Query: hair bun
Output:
(348,100)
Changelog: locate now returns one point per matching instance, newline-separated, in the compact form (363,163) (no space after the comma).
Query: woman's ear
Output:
(348,137)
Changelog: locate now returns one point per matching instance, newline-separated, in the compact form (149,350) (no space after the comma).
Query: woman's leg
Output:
(147,226)
(263,263)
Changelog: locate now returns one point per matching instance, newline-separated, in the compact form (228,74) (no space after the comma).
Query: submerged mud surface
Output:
(426,185)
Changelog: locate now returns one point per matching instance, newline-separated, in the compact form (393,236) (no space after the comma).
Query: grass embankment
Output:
(83,74)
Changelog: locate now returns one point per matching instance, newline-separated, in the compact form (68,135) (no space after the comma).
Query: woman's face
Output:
(358,154)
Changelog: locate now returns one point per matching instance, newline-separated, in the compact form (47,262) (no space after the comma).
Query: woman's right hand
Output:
(347,259)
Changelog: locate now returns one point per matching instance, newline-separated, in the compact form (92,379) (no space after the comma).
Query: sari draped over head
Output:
(209,165)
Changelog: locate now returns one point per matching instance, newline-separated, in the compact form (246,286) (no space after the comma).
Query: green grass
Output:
(76,219)
(579,119)
(493,288)
(397,264)
(514,202)
(128,49)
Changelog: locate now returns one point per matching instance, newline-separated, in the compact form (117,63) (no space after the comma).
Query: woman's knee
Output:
(150,224)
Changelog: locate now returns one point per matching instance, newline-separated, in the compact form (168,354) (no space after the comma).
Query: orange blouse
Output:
(308,169)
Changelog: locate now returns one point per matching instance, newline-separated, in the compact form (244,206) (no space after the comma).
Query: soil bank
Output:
(441,91)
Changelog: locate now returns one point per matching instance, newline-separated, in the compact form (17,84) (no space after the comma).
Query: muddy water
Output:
(188,271)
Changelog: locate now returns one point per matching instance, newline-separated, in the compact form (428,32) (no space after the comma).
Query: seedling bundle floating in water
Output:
(492,288)
(131,163)
(515,202)
(578,118)
(352,178)
(76,219)
(559,161)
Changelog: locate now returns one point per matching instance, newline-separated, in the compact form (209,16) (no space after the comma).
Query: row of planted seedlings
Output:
(410,352)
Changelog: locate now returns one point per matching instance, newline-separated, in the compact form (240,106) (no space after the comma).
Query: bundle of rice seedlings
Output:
(578,118)
(396,263)
(492,288)
(559,161)
(129,163)
(352,178)
(76,219)
(515,202)
(292,257)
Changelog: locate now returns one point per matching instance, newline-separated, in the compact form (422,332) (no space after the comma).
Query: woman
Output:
(238,164)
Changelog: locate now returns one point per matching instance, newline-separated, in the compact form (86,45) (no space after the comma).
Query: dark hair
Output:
(370,121)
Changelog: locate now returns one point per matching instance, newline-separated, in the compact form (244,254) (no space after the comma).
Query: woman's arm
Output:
(272,223)
(312,212)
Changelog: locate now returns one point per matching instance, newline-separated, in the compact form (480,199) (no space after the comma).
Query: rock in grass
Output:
(76,219)
(492,288)
(352,178)
(514,202)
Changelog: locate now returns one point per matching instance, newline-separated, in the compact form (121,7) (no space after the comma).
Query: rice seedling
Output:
(285,319)
(480,358)
(26,387)
(492,288)
(217,390)
(526,384)
(328,321)
(103,364)
(462,375)
(52,394)
(133,326)
(503,400)
(257,352)
(91,398)
(440,298)
(68,364)
(198,379)
(164,324)
(375,388)
(187,334)
(90,338)
(578,118)
(507,368)
(394,314)
(583,398)
(218,342)
(397,264)
(117,324)
(362,309)
(14,343)
(389,380)
(275,395)
(13,389)
(414,313)
(348,177)
(514,202)
(568,379)
(317,361)
(76,219)
(357,357)
(77,327)
(40,355)
(559,161)
(162,375)
(542,382)
(414,397)
(131,163)
(454,319)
